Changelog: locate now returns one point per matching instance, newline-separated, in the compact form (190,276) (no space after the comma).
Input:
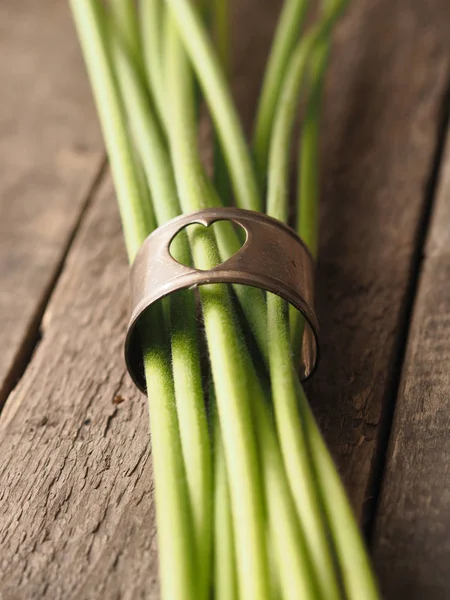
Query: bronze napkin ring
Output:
(272,258)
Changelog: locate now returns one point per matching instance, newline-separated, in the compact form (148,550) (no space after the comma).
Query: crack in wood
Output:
(35,333)
(413,288)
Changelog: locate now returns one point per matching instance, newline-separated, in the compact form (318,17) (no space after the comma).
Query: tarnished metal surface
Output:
(272,258)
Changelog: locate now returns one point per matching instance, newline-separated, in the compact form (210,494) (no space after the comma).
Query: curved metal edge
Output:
(209,216)
(131,351)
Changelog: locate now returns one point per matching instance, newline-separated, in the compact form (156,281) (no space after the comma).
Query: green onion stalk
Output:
(248,502)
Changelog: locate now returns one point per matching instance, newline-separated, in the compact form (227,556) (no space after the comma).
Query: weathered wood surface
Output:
(387,85)
(75,481)
(77,520)
(412,535)
(50,150)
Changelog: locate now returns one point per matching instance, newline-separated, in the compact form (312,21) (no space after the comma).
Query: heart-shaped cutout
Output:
(206,247)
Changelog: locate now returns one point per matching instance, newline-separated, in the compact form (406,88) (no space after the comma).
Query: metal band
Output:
(272,258)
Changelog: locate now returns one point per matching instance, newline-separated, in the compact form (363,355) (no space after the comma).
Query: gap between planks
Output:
(50,153)
(33,334)
(411,534)
(412,295)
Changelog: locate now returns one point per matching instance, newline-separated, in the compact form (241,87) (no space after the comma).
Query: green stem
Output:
(127,23)
(148,137)
(221,19)
(220,22)
(137,217)
(160,174)
(280,144)
(294,444)
(172,503)
(185,351)
(161,179)
(278,190)
(352,558)
(308,188)
(193,430)
(225,577)
(223,339)
(173,516)
(308,193)
(356,571)
(217,93)
(286,36)
(295,448)
(233,399)
(295,573)
(151,20)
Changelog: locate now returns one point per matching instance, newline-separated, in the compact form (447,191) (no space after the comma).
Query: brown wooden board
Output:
(412,535)
(75,480)
(386,87)
(77,519)
(50,150)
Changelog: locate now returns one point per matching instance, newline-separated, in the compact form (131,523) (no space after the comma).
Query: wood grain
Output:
(75,481)
(386,87)
(412,536)
(50,150)
(77,517)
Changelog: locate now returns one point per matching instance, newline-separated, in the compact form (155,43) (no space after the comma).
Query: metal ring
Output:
(272,258)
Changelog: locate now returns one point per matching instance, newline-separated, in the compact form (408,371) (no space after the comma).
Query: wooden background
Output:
(76,513)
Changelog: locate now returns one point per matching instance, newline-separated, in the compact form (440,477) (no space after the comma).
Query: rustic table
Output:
(76,512)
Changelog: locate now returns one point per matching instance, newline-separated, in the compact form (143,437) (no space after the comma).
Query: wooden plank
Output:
(386,86)
(412,542)
(75,481)
(77,517)
(50,152)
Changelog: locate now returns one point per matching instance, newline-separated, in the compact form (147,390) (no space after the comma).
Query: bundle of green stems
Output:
(249,504)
